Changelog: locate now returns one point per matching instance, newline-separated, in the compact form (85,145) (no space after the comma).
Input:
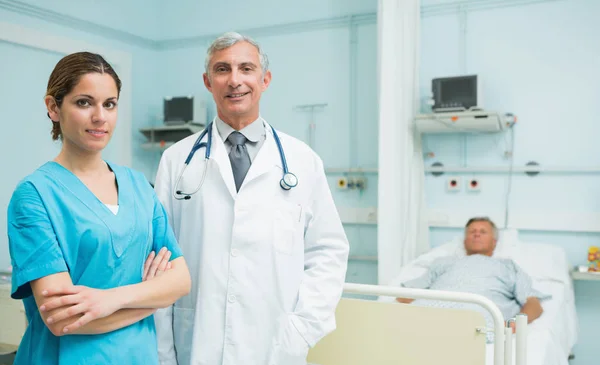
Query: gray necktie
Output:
(240,160)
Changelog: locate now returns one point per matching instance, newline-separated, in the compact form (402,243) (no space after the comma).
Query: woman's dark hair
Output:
(67,73)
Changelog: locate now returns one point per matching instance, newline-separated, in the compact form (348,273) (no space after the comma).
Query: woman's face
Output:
(88,114)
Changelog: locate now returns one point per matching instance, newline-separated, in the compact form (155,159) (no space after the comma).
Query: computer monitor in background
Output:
(184,109)
(178,110)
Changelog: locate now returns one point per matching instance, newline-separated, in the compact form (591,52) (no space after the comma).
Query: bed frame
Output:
(379,333)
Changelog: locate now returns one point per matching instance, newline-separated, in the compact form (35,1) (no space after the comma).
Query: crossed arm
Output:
(70,309)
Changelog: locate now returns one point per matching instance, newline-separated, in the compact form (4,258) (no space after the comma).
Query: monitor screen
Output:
(179,109)
(458,90)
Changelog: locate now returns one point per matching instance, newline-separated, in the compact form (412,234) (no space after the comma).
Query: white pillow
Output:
(542,261)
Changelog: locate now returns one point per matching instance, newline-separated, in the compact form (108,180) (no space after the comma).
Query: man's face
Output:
(236,80)
(479,239)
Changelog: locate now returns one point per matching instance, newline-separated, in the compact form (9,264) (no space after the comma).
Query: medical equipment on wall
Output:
(184,109)
(457,93)
(287,182)
(312,126)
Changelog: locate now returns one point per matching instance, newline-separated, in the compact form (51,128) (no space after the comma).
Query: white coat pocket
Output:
(288,227)
(290,348)
(183,331)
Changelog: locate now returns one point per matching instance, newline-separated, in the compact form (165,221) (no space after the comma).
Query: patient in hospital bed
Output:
(479,272)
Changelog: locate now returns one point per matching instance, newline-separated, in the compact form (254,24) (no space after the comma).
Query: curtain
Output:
(402,231)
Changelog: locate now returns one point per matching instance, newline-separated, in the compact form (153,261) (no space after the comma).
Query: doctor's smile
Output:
(237,96)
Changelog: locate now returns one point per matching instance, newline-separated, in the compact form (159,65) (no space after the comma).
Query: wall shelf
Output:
(463,122)
(164,136)
(156,145)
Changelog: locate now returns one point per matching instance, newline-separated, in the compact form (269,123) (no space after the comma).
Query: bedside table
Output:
(576,275)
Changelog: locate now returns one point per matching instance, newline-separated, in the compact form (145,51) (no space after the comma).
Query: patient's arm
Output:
(422,282)
(532,308)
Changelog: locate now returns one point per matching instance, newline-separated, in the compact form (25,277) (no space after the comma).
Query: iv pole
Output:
(312,125)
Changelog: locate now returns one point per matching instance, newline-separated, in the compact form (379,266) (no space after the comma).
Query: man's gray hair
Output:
(227,40)
(483,219)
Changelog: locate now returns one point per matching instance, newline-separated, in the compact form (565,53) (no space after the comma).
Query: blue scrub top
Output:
(56,224)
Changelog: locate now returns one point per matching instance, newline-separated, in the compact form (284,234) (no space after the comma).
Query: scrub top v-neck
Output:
(56,224)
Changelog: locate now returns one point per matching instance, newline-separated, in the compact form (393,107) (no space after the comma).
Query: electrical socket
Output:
(474,185)
(351,183)
(453,184)
(360,183)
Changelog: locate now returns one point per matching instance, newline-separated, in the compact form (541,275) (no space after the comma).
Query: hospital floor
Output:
(7,359)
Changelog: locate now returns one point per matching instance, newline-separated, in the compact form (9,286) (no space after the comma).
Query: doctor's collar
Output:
(253,131)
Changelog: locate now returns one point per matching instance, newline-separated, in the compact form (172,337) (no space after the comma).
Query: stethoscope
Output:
(288,181)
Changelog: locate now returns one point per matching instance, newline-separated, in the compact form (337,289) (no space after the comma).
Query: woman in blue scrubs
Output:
(80,230)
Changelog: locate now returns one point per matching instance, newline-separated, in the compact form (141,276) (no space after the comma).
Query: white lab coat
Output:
(267,265)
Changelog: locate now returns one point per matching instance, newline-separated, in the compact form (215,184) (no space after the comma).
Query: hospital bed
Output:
(382,333)
(436,335)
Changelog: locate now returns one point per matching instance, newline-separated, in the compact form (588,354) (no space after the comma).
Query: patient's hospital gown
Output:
(500,280)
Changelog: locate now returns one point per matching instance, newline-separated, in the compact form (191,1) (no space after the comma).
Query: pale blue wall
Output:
(24,76)
(136,17)
(541,63)
(515,49)
(186,18)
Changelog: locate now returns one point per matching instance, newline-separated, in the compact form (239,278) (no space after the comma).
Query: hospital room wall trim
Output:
(530,220)
(75,23)
(289,28)
(471,6)
(278,30)
(567,170)
(538,221)
(555,170)
(122,61)
(350,21)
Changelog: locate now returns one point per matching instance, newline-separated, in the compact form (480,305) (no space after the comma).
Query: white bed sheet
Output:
(551,337)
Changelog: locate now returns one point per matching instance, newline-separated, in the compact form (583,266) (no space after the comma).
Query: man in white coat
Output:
(268,262)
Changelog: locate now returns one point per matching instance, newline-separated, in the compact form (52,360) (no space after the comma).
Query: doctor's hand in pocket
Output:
(155,264)
(290,347)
